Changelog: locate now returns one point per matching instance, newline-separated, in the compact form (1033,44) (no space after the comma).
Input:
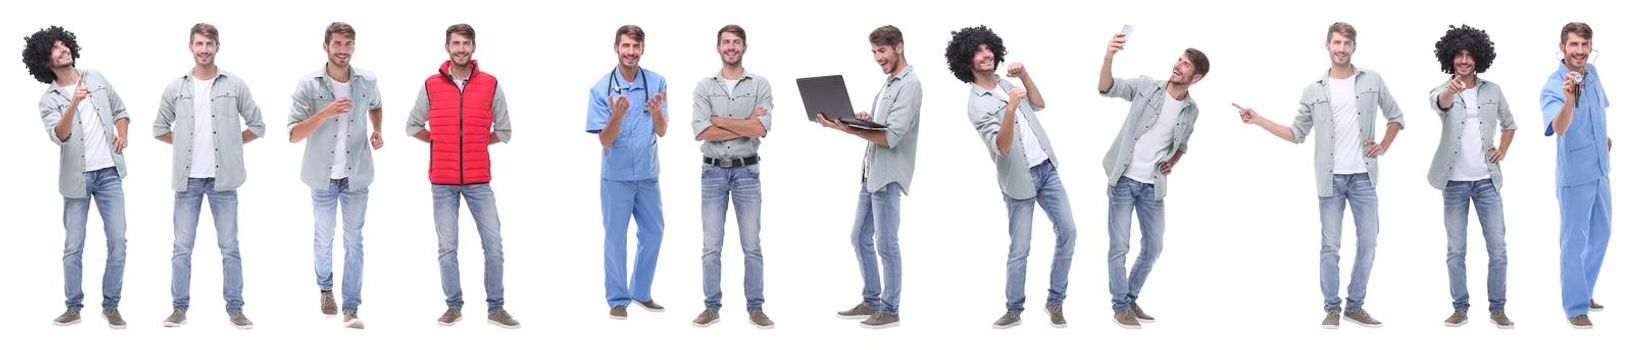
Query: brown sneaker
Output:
(1140,315)
(860,311)
(1010,319)
(1126,319)
(760,320)
(326,303)
(502,319)
(450,317)
(1459,318)
(1500,318)
(882,320)
(1331,322)
(1594,306)
(178,317)
(619,312)
(68,318)
(1057,315)
(708,317)
(115,321)
(239,320)
(1581,322)
(1360,317)
(649,305)
(351,320)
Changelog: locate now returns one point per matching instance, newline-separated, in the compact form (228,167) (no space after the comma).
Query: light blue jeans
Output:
(107,190)
(1052,197)
(739,185)
(1357,192)
(353,203)
(1129,198)
(224,208)
(878,216)
(484,210)
(1488,204)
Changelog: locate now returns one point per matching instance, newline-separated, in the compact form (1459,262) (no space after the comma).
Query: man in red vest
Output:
(460,111)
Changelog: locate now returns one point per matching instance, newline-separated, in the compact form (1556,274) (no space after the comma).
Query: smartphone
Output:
(1127,29)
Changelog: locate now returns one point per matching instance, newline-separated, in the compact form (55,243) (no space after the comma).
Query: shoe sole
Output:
(1126,326)
(882,326)
(1582,327)
(757,325)
(1006,326)
(505,326)
(1362,324)
(244,327)
(65,324)
(331,315)
(1502,326)
(620,318)
(449,324)
(706,324)
(1141,320)
(168,324)
(1057,325)
(354,324)
(852,317)
(1329,326)
(1460,324)
(649,309)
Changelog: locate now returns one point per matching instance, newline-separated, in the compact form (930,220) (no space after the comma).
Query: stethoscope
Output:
(640,76)
(1593,56)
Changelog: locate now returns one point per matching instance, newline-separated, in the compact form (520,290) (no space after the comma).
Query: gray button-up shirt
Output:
(897,107)
(1315,115)
(316,91)
(108,110)
(1494,114)
(1148,96)
(710,99)
(986,112)
(229,98)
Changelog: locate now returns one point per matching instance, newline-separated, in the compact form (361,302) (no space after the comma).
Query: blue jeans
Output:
(879,213)
(1129,198)
(1357,192)
(1052,197)
(353,204)
(484,210)
(224,208)
(1488,204)
(619,201)
(1584,232)
(104,187)
(742,185)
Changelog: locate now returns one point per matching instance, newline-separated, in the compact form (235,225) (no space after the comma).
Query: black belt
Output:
(732,163)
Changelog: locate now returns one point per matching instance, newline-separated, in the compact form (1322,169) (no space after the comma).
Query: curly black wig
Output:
(1462,38)
(961,49)
(37,51)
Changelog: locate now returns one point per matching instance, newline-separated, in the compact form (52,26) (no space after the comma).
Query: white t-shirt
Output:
(1470,164)
(204,146)
(1148,149)
(1347,153)
(343,125)
(731,85)
(98,153)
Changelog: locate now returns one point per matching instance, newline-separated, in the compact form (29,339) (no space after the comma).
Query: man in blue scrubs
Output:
(1573,108)
(628,112)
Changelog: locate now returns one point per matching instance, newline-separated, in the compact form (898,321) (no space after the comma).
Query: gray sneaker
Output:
(650,305)
(178,317)
(351,320)
(1126,319)
(1360,317)
(326,303)
(115,321)
(502,319)
(1057,315)
(1581,322)
(1459,318)
(1500,318)
(619,312)
(708,317)
(239,320)
(760,320)
(1594,306)
(882,320)
(68,318)
(1010,319)
(1139,314)
(1331,322)
(450,317)
(860,311)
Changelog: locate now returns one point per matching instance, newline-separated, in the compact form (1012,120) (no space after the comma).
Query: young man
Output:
(1465,167)
(1155,134)
(199,115)
(887,173)
(1005,118)
(87,120)
(330,105)
(1573,108)
(628,113)
(1346,164)
(731,111)
(460,111)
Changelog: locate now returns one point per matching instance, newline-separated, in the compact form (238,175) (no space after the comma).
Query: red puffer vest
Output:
(459,123)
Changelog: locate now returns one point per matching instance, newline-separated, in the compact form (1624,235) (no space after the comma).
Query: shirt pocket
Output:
(719,104)
(224,102)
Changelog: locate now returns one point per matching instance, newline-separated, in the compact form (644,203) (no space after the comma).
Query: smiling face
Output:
(340,47)
(460,48)
(1184,71)
(204,50)
(984,62)
(61,56)
(1340,48)
(731,48)
(629,52)
(1576,49)
(889,57)
(1463,64)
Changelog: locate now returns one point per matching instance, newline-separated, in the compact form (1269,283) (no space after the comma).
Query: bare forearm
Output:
(249,136)
(166,138)
(1508,138)
(1389,134)
(1444,101)
(423,136)
(1281,131)
(122,126)
(1105,76)
(717,133)
(875,136)
(305,128)
(742,127)
(1032,94)
(660,125)
(1006,132)
(1562,121)
(609,134)
(65,125)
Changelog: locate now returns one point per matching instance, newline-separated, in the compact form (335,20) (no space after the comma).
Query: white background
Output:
(1240,265)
